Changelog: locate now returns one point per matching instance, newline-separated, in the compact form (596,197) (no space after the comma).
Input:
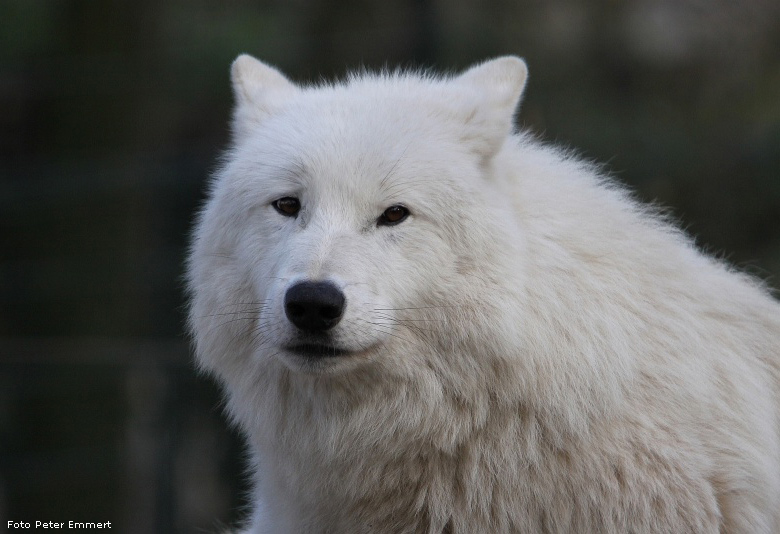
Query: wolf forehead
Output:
(378,112)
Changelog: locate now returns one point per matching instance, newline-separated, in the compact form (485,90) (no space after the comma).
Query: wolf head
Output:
(358,225)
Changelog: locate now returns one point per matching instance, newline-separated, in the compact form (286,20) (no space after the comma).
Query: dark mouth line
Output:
(312,349)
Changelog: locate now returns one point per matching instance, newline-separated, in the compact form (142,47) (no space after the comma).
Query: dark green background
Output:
(113,113)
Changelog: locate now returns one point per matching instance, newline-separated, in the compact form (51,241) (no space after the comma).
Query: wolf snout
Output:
(314,306)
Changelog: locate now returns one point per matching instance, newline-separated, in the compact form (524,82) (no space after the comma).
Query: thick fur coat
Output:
(518,345)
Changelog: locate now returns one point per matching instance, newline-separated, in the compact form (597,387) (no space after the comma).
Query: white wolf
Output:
(426,323)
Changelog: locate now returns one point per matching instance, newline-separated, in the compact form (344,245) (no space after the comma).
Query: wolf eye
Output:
(393,215)
(287,206)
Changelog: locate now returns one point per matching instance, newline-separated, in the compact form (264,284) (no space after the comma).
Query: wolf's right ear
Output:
(259,90)
(498,84)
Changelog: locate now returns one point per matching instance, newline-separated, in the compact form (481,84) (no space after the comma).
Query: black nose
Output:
(314,306)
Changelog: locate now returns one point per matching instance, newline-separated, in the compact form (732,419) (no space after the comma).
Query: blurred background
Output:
(112,115)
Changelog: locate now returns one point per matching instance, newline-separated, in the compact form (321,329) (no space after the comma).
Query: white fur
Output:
(532,351)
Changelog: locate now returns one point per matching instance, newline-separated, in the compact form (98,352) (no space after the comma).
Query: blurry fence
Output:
(113,430)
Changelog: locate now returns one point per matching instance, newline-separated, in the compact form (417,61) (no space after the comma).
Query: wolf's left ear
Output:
(497,85)
(259,90)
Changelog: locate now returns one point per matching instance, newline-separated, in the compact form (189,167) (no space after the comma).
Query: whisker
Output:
(247,311)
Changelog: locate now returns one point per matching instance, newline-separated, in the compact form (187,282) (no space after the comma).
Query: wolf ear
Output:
(497,86)
(259,90)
